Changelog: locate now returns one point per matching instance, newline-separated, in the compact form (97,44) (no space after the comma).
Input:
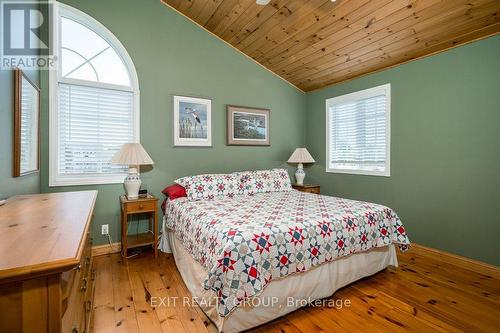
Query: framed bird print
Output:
(192,122)
(247,126)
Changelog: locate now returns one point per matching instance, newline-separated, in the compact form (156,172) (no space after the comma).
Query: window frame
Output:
(56,179)
(354,96)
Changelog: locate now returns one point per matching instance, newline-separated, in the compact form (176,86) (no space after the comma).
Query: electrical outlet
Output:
(104,229)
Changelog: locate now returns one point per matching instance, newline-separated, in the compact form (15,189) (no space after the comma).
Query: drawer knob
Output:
(141,206)
(89,306)
(84,284)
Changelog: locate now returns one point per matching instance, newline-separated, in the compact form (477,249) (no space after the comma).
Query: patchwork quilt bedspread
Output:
(245,242)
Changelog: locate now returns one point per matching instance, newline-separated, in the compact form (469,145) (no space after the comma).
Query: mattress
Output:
(244,243)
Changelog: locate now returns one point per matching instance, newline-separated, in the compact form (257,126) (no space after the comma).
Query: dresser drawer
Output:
(146,206)
(89,302)
(74,313)
(79,301)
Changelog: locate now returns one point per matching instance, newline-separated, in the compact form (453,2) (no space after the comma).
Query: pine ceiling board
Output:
(195,9)
(266,13)
(220,14)
(314,43)
(174,3)
(430,29)
(232,16)
(379,29)
(279,31)
(307,37)
(340,33)
(452,43)
(409,29)
(184,5)
(336,60)
(207,11)
(335,32)
(283,34)
(248,15)
(336,47)
(398,56)
(407,47)
(287,10)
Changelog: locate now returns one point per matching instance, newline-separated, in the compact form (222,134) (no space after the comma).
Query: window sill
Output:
(117,179)
(386,173)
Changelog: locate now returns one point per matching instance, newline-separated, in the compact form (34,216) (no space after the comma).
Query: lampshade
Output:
(301,155)
(132,154)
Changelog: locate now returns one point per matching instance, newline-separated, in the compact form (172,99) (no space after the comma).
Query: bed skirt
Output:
(280,296)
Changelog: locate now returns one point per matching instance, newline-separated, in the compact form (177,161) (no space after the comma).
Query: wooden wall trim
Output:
(100,250)
(458,260)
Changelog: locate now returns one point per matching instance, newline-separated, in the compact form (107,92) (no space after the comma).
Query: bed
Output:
(248,259)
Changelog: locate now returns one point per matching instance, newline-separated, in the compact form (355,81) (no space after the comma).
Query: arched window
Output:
(94,101)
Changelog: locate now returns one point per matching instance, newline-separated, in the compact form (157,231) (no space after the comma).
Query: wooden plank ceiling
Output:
(316,43)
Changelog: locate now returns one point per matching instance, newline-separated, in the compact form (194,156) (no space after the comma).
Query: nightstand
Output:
(147,205)
(309,188)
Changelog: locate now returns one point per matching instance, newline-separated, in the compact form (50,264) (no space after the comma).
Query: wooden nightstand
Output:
(309,188)
(148,205)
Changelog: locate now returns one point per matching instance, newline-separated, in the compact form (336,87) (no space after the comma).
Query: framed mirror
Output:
(26,125)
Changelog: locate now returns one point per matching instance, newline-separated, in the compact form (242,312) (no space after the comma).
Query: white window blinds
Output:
(94,102)
(93,123)
(358,132)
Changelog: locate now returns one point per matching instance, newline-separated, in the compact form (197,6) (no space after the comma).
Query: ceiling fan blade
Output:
(262,2)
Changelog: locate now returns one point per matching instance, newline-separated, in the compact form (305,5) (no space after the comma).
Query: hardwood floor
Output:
(428,292)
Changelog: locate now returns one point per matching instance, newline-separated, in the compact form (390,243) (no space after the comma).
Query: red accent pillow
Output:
(174,191)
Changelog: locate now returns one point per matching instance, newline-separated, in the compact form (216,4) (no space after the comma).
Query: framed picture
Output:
(192,121)
(247,126)
(26,125)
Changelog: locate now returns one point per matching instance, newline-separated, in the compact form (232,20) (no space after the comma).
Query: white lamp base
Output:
(132,184)
(300,174)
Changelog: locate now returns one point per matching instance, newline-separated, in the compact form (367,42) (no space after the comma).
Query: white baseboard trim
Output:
(100,250)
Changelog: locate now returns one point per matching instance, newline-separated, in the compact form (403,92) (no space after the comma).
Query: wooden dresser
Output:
(46,275)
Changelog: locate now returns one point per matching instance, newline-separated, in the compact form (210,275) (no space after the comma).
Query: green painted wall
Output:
(445,127)
(445,149)
(173,56)
(9,185)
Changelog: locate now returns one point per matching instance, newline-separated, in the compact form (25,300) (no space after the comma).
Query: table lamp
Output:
(133,155)
(300,155)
